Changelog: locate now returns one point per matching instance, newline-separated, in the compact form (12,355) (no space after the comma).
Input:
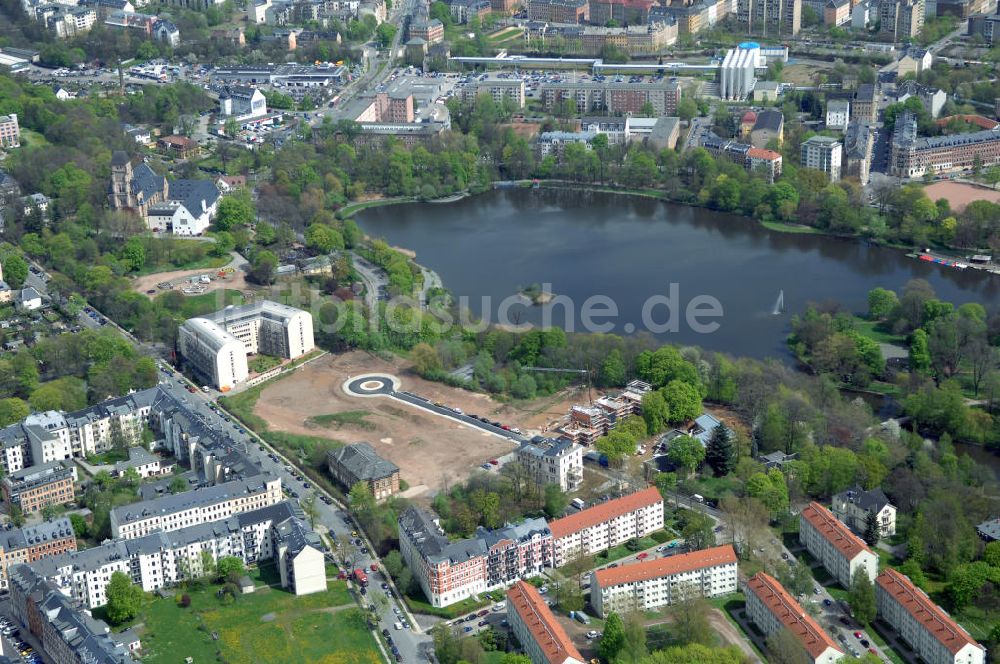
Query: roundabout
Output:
(371,385)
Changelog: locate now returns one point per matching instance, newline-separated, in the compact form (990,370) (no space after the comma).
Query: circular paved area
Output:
(371,385)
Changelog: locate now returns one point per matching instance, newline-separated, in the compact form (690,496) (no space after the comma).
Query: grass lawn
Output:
(199,305)
(419,604)
(714,488)
(352,417)
(621,552)
(873,631)
(208,263)
(875,331)
(791,228)
(262,363)
(267,626)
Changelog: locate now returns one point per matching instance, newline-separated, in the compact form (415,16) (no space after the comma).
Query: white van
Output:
(698,498)
(397,626)
(577,503)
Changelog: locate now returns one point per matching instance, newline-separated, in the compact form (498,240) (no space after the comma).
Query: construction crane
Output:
(583,372)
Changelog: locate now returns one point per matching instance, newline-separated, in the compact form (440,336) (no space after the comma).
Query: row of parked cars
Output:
(10,630)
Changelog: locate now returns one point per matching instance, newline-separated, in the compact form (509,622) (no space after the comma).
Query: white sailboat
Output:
(779,305)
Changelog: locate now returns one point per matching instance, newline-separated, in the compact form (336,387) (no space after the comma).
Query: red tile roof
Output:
(823,520)
(801,625)
(604,512)
(761,153)
(927,613)
(550,636)
(978,120)
(660,567)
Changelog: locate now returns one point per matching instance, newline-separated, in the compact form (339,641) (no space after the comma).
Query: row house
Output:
(828,540)
(913,156)
(449,572)
(164,559)
(653,584)
(37,487)
(922,624)
(66,633)
(536,628)
(614,97)
(606,525)
(33,543)
(772,609)
(214,503)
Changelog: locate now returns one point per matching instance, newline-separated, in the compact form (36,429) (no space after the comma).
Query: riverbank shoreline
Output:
(789,228)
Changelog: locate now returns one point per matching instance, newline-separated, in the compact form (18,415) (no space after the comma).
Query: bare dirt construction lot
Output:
(960,194)
(148,282)
(430,451)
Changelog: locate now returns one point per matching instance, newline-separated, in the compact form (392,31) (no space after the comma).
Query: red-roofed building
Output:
(606,525)
(772,609)
(649,585)
(764,161)
(544,640)
(933,635)
(747,122)
(841,551)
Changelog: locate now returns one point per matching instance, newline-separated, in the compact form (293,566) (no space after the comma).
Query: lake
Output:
(644,254)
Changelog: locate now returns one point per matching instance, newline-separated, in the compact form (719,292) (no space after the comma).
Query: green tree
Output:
(124,598)
(310,509)
(361,498)
(230,568)
(698,530)
(881,303)
(12,410)
(233,211)
(178,485)
(385,33)
(873,532)
(683,400)
(771,489)
(967,581)
(80,529)
(687,109)
(426,360)
(134,254)
(686,452)
(324,239)
(555,501)
(613,639)
(861,597)
(613,369)
(720,453)
(655,412)
(920,354)
(15,270)
(263,270)
(16,514)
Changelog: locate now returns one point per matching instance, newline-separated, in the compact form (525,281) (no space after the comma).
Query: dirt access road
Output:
(236,281)
(430,451)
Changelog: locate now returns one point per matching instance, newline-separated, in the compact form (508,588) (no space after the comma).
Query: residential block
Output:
(842,552)
(606,525)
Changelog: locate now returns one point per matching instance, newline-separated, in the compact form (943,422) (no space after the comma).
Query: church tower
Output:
(121,196)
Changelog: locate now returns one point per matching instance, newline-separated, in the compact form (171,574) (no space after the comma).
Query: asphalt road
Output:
(385,388)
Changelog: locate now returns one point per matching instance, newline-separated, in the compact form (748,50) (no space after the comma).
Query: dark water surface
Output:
(630,249)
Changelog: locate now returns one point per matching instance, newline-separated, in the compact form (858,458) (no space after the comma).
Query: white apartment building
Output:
(838,113)
(537,630)
(552,461)
(217,345)
(650,585)
(771,609)
(933,635)
(217,355)
(823,153)
(841,551)
(165,558)
(606,525)
(854,505)
(191,508)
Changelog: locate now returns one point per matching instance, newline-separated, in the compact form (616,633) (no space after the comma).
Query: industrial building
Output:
(737,75)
